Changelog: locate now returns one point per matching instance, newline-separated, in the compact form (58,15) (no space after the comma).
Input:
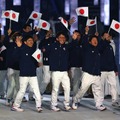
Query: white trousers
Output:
(24,81)
(39,72)
(57,78)
(46,78)
(108,88)
(13,83)
(3,76)
(88,80)
(110,78)
(76,76)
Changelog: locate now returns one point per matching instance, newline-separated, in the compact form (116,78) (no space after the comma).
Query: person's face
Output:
(49,33)
(62,39)
(27,29)
(106,36)
(35,37)
(18,39)
(29,42)
(94,41)
(87,28)
(78,35)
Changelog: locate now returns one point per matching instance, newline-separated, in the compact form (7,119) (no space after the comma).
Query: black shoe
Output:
(2,97)
(31,99)
(89,96)
(24,99)
(108,97)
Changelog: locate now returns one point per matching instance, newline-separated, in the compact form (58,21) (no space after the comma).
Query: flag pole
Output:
(69,31)
(10,24)
(96,24)
(109,30)
(27,20)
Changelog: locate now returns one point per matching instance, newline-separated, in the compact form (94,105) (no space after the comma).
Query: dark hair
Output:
(62,33)
(91,37)
(76,31)
(103,33)
(26,25)
(27,37)
(112,34)
(15,34)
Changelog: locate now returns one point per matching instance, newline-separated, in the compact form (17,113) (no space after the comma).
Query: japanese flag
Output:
(115,26)
(91,22)
(35,15)
(64,22)
(14,16)
(44,24)
(6,14)
(82,11)
(2,48)
(37,55)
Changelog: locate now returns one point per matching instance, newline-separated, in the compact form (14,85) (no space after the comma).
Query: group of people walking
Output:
(77,61)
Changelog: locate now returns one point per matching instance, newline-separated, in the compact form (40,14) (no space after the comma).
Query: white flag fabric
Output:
(14,16)
(44,24)
(82,11)
(35,15)
(64,22)
(2,48)
(91,22)
(115,25)
(37,55)
(6,14)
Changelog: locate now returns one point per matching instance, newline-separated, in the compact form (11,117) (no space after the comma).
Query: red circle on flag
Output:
(6,14)
(117,26)
(35,15)
(92,22)
(82,11)
(14,15)
(64,21)
(44,24)
(38,56)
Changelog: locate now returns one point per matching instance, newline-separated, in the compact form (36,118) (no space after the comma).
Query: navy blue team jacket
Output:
(27,63)
(58,56)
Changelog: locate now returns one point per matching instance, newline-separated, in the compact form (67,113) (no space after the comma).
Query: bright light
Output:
(16,2)
(105,11)
(2,20)
(67,7)
(96,2)
(73,6)
(37,9)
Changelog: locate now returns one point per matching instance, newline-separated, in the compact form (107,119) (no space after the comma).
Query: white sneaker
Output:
(18,109)
(101,108)
(116,104)
(55,108)
(39,109)
(67,107)
(74,106)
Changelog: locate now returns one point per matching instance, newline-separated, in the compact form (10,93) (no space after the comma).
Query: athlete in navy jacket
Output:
(28,67)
